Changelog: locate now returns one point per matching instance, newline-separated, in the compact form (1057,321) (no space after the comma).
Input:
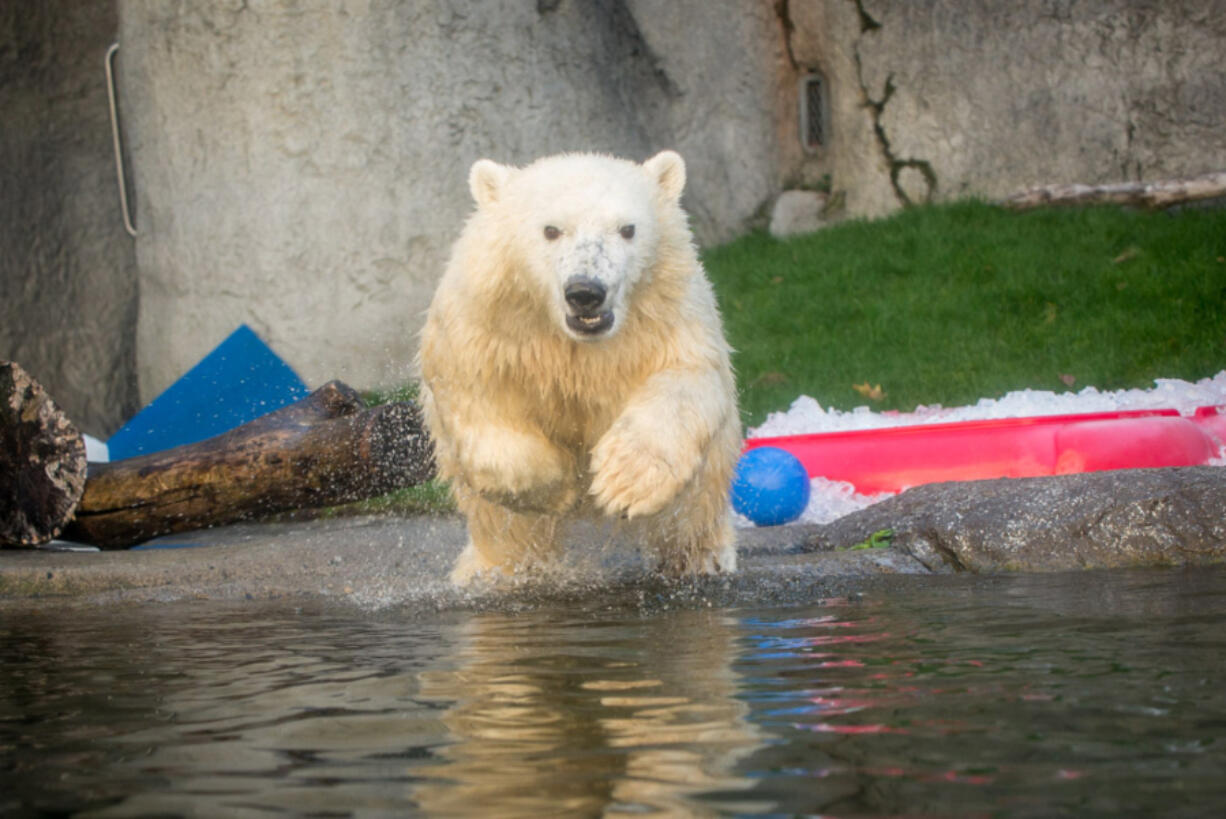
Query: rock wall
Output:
(940,99)
(67,269)
(302,167)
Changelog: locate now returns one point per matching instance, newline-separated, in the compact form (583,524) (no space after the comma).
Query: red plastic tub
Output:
(895,458)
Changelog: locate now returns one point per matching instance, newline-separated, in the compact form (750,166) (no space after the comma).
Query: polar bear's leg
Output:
(517,468)
(662,441)
(688,548)
(468,565)
(501,540)
(696,550)
(694,534)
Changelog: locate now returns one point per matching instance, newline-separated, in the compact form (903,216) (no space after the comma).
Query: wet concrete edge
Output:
(1125,519)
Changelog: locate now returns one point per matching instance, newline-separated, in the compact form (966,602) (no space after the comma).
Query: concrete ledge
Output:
(380,561)
(1162,517)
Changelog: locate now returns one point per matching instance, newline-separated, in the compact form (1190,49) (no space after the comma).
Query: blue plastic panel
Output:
(238,382)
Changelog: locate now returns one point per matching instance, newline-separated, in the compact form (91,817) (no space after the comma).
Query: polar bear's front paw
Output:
(520,472)
(633,481)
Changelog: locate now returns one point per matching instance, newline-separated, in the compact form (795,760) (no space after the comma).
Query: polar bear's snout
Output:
(585,299)
(591,276)
(585,295)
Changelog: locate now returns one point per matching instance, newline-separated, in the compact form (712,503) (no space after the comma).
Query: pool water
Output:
(1093,694)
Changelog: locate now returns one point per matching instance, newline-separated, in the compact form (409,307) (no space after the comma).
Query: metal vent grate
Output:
(813,111)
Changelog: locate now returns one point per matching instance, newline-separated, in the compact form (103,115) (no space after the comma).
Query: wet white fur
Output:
(534,423)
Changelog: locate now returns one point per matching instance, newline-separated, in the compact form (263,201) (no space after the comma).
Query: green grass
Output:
(404,392)
(429,498)
(948,304)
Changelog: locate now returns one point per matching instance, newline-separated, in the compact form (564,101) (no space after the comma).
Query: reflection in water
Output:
(1085,695)
(210,710)
(1080,695)
(584,718)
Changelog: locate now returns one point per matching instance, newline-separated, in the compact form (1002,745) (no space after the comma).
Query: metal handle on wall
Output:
(110,92)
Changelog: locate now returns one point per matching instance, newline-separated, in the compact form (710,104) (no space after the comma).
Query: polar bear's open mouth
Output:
(590,324)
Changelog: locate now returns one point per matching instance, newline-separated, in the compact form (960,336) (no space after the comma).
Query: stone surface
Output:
(947,98)
(302,168)
(67,268)
(1096,520)
(797,212)
(376,562)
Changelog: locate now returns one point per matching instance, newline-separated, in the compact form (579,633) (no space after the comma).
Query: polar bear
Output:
(573,364)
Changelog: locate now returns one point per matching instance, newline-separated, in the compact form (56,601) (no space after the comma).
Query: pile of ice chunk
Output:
(831,500)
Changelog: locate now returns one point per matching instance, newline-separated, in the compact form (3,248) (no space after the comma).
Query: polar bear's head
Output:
(584,230)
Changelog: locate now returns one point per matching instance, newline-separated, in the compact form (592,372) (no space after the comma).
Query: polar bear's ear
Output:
(667,168)
(486,180)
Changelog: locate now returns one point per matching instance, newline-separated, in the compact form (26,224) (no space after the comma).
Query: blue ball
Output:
(770,486)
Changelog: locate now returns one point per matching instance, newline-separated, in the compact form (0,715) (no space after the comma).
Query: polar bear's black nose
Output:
(584,294)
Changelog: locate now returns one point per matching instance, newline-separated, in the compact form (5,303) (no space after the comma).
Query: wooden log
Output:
(42,461)
(1159,194)
(326,449)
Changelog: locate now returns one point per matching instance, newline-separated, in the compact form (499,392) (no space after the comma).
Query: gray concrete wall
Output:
(302,167)
(949,98)
(67,269)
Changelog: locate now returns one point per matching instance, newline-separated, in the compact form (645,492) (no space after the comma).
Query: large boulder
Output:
(797,212)
(1095,520)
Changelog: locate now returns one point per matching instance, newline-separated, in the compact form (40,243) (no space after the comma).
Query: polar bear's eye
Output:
(552,232)
(627,231)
